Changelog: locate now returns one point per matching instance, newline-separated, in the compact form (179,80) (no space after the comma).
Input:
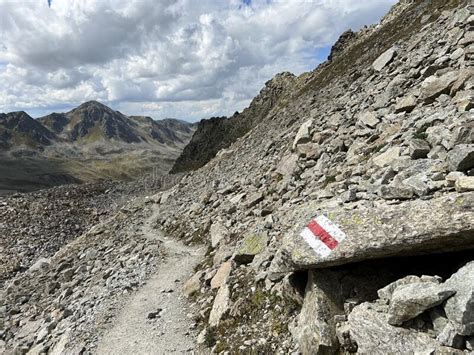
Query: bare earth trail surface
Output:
(161,299)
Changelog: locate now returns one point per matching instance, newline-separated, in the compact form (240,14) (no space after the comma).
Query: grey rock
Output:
(254,199)
(460,308)
(315,330)
(418,148)
(218,233)
(386,292)
(410,300)
(440,224)
(450,337)
(438,319)
(418,184)
(470,343)
(387,158)
(406,104)
(464,183)
(370,330)
(434,86)
(251,245)
(220,306)
(368,118)
(461,157)
(349,196)
(304,133)
(41,264)
(464,100)
(452,177)
(384,59)
(395,191)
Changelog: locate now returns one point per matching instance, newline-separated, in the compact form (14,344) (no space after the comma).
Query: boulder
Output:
(220,306)
(254,199)
(464,183)
(251,245)
(288,165)
(384,59)
(315,330)
(368,328)
(193,285)
(304,133)
(221,275)
(461,157)
(368,119)
(452,177)
(387,292)
(387,158)
(418,148)
(464,75)
(460,308)
(464,100)
(395,191)
(450,337)
(410,300)
(434,86)
(437,225)
(218,233)
(406,104)
(40,264)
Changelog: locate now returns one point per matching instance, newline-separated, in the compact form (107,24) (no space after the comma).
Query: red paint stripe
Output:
(323,236)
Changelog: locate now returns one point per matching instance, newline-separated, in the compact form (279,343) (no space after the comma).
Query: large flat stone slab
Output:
(409,228)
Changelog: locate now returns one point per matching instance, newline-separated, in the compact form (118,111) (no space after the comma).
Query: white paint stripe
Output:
(318,246)
(331,228)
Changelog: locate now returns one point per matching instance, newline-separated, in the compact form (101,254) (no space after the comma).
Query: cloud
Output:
(182,58)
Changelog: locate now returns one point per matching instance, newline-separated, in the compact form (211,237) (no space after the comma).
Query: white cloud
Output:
(168,58)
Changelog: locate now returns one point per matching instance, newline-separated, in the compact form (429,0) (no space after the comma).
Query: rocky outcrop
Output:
(442,224)
(376,326)
(217,133)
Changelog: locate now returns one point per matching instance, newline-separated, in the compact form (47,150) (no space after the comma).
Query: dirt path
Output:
(133,332)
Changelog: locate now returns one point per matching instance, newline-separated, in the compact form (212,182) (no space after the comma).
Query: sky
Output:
(186,59)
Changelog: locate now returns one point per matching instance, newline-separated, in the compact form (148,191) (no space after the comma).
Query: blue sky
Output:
(169,58)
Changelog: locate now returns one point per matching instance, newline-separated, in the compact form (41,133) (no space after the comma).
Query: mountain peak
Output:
(93,105)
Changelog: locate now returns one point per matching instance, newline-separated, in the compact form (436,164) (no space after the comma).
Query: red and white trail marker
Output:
(322,235)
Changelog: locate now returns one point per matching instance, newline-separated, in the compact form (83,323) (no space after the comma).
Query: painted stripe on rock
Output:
(318,246)
(330,227)
(322,235)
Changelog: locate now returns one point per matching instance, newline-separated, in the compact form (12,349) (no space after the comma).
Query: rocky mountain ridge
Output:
(218,133)
(379,141)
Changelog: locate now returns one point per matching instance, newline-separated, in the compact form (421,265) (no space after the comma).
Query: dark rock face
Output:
(341,44)
(56,122)
(218,133)
(17,128)
(95,118)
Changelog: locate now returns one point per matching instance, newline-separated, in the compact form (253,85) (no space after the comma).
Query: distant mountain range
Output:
(88,143)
